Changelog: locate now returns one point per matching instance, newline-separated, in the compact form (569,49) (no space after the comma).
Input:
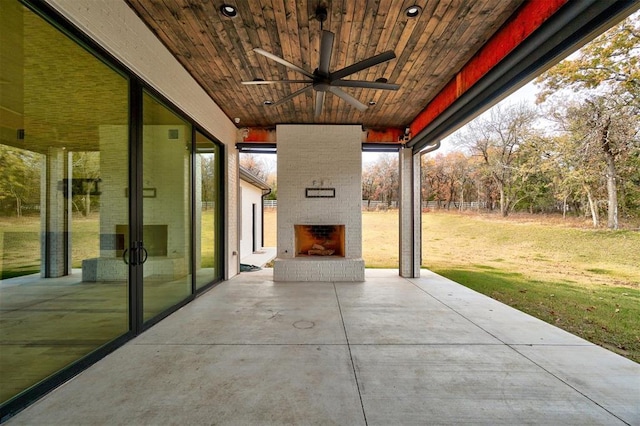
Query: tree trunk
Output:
(503,203)
(612,208)
(18,206)
(564,207)
(592,207)
(612,192)
(87,202)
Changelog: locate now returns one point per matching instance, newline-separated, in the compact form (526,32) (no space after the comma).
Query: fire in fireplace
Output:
(319,240)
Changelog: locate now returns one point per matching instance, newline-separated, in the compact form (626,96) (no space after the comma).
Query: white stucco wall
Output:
(113,25)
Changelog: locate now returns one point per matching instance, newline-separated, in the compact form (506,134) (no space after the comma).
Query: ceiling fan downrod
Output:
(321,15)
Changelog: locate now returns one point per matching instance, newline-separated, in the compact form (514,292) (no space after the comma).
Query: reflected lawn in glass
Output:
(20,243)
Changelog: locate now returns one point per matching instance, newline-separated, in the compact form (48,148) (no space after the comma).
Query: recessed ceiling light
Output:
(372,103)
(413,11)
(228,10)
(268,102)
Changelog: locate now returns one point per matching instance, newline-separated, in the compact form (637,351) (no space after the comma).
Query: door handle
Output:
(139,254)
(144,252)
(133,258)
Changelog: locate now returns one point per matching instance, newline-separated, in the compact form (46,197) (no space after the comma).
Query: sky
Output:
(526,94)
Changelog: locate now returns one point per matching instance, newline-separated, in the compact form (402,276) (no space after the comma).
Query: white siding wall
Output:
(250,195)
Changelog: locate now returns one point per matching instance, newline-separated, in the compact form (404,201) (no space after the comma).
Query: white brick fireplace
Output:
(319,183)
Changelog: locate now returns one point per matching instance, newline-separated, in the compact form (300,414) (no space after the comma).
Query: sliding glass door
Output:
(166,207)
(64,144)
(110,205)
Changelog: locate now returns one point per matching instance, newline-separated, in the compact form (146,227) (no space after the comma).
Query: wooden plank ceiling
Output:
(218,52)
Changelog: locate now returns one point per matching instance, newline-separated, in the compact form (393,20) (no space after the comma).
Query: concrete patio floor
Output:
(389,351)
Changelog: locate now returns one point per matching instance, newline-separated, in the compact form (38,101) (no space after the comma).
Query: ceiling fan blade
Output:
(365,84)
(348,98)
(326,47)
(283,62)
(293,95)
(319,103)
(275,81)
(359,66)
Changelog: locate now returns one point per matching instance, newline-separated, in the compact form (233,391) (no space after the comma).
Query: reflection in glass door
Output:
(208,234)
(64,137)
(166,150)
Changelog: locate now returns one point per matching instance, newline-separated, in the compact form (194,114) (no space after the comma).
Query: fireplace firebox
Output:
(319,240)
(155,239)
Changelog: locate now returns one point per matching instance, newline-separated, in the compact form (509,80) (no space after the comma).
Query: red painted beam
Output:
(390,135)
(259,135)
(521,25)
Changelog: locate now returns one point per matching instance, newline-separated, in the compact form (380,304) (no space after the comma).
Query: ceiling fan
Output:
(322,80)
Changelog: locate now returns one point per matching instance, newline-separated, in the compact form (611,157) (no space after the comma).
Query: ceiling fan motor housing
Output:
(321,13)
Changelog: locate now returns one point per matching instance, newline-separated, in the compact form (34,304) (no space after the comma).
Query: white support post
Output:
(55,211)
(410,214)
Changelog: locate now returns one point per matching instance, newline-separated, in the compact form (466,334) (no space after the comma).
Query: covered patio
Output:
(389,350)
(157,98)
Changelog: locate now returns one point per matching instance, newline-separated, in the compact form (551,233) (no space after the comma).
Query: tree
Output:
(208,178)
(564,168)
(20,177)
(607,72)
(533,181)
(607,132)
(610,63)
(387,180)
(381,180)
(368,185)
(447,178)
(496,139)
(257,165)
(86,168)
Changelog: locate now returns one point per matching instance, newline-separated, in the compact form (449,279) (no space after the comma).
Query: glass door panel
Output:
(64,136)
(207,207)
(166,151)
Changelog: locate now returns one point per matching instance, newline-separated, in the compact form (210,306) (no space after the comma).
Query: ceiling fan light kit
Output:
(321,80)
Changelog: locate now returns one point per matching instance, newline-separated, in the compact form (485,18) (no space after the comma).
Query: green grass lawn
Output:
(582,280)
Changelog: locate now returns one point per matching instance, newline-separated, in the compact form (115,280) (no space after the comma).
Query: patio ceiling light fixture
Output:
(413,11)
(229,11)
(268,102)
